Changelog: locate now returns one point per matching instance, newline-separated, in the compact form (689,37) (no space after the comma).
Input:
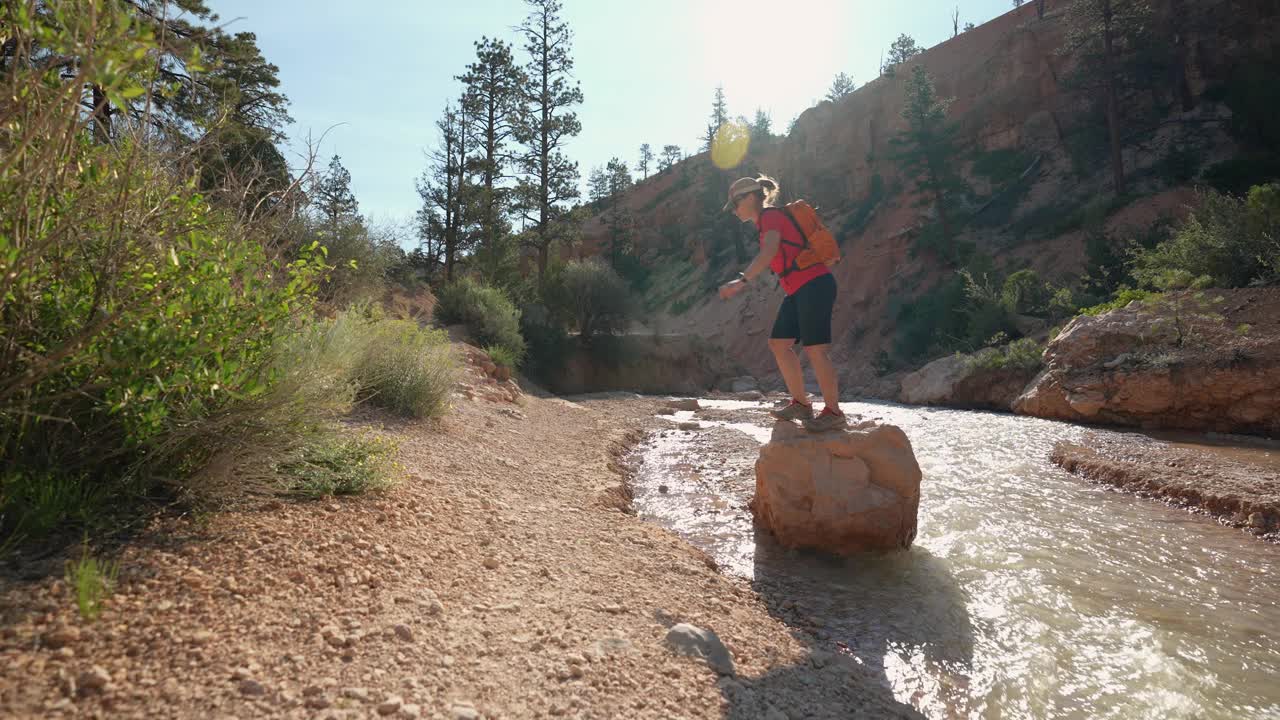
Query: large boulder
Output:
(934,383)
(1186,361)
(966,381)
(844,491)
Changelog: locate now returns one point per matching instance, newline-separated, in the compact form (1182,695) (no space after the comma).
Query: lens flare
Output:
(729,145)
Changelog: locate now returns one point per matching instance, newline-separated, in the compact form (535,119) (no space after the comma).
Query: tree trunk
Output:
(490,168)
(942,215)
(1178,67)
(450,220)
(101,115)
(1113,109)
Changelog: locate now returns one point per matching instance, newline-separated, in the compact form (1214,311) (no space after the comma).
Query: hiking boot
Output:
(794,411)
(826,420)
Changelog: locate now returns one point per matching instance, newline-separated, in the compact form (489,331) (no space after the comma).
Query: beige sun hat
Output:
(740,187)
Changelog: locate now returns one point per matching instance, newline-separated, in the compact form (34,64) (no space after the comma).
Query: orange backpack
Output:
(819,244)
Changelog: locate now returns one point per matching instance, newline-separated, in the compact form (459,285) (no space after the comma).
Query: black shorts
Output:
(806,315)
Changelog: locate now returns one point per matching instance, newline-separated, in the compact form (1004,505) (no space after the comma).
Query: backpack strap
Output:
(804,239)
(803,244)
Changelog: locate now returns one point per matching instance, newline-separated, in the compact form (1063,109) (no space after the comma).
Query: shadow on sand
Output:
(878,627)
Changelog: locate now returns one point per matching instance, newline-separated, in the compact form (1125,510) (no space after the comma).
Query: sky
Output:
(369,80)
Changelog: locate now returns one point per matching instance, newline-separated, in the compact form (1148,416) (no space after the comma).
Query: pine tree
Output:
(670,156)
(619,177)
(1111,42)
(646,157)
(841,86)
(447,192)
(900,51)
(926,148)
(333,197)
(552,178)
(761,126)
(214,92)
(719,116)
(719,108)
(493,96)
(598,184)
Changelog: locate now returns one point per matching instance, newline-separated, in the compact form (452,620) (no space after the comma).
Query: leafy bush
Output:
(1023,354)
(502,357)
(144,328)
(934,322)
(595,297)
(549,346)
(1236,175)
(1025,293)
(1123,297)
(488,314)
(362,259)
(1225,242)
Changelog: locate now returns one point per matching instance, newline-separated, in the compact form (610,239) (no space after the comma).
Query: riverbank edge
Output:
(1146,475)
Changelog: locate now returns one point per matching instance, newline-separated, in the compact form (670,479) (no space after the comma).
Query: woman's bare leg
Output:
(828,381)
(789,365)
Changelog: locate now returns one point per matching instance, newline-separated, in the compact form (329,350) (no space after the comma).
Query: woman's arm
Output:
(768,248)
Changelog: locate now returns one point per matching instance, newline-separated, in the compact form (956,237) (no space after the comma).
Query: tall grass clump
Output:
(91,579)
(396,364)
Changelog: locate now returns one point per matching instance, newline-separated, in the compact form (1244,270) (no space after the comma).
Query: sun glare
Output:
(753,46)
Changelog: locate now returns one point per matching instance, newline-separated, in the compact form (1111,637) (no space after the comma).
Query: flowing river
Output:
(1029,593)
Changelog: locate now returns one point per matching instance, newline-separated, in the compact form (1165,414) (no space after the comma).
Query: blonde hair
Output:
(769,196)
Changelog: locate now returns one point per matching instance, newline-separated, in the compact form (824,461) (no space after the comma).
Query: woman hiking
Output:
(805,315)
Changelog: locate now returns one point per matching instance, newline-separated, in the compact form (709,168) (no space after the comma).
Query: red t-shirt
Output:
(776,219)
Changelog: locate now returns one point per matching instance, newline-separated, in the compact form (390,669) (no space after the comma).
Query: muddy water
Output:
(1028,593)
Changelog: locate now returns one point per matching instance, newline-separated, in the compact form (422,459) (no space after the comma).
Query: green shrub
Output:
(595,297)
(1236,175)
(1122,297)
(1025,293)
(1225,242)
(144,328)
(487,312)
(548,345)
(502,357)
(361,257)
(1022,354)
